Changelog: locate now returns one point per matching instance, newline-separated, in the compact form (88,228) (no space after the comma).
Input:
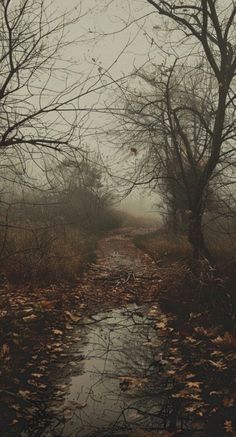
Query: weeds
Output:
(46,255)
(182,291)
(163,247)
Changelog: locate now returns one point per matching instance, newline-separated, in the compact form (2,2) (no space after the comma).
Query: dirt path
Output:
(37,325)
(49,340)
(180,376)
(124,352)
(122,273)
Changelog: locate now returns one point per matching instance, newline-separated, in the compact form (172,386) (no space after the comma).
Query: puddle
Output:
(121,386)
(120,261)
(117,254)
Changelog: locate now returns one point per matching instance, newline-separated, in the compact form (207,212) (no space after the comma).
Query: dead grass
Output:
(182,290)
(223,248)
(39,252)
(163,247)
(45,255)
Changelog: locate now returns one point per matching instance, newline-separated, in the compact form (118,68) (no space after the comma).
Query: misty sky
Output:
(104,43)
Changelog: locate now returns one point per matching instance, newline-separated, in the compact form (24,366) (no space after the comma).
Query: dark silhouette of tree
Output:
(180,115)
(41,86)
(82,194)
(211,25)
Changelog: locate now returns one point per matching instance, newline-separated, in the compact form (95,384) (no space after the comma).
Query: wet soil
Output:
(37,329)
(102,358)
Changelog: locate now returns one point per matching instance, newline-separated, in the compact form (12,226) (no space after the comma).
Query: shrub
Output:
(46,254)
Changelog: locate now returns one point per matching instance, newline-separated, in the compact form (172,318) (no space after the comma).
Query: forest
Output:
(117,218)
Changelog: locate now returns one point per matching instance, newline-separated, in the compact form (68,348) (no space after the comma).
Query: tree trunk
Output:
(196,237)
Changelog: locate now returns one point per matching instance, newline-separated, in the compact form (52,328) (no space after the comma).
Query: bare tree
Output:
(187,116)
(42,111)
(212,25)
(40,83)
(81,192)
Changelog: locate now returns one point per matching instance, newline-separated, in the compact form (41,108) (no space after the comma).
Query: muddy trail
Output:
(122,273)
(42,329)
(120,352)
(102,359)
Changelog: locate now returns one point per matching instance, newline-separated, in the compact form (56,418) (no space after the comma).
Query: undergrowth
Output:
(44,255)
(182,292)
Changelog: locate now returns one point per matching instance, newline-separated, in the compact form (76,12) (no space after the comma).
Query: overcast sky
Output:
(105,42)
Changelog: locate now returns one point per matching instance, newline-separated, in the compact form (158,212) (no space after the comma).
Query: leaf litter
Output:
(37,325)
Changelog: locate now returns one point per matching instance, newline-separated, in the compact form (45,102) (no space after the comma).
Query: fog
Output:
(117,218)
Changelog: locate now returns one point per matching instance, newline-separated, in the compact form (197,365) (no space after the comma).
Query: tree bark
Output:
(196,237)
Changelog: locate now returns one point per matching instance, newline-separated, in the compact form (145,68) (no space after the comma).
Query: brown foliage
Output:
(47,255)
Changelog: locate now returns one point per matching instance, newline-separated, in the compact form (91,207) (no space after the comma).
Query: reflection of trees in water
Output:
(129,388)
(140,365)
(147,388)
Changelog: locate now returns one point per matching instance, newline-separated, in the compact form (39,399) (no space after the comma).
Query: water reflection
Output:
(122,386)
(120,261)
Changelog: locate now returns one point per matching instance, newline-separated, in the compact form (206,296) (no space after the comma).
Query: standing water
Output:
(120,387)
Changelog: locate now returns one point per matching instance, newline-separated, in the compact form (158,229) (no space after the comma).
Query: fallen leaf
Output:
(5,351)
(220,365)
(30,318)
(129,382)
(228,426)
(195,315)
(3,313)
(72,316)
(160,325)
(190,376)
(28,310)
(216,393)
(191,339)
(191,408)
(153,312)
(61,386)
(25,394)
(57,332)
(201,331)
(43,386)
(194,385)
(47,304)
(227,341)
(171,372)
(228,402)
